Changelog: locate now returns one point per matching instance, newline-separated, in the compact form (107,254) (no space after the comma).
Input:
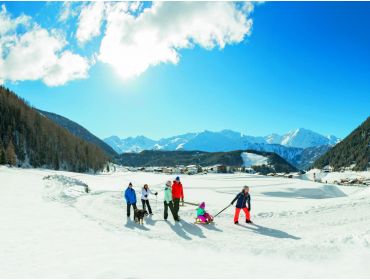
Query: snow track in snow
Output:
(301,228)
(108,209)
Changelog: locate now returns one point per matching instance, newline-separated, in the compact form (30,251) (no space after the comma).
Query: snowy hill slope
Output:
(250,159)
(301,228)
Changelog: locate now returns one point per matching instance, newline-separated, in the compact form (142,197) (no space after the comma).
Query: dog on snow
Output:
(139,215)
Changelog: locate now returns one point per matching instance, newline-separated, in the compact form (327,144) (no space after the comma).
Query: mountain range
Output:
(222,141)
(300,147)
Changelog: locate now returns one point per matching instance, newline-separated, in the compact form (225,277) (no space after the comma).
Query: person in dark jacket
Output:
(130,197)
(242,200)
(177,194)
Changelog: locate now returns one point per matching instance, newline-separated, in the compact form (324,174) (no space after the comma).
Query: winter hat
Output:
(177,178)
(202,205)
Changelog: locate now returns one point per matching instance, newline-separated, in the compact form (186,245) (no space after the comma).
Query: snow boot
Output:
(249,222)
(236,222)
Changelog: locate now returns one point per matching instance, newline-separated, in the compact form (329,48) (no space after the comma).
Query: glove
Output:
(146,195)
(156,193)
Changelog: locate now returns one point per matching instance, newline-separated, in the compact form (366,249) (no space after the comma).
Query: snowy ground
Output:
(50,228)
(332,177)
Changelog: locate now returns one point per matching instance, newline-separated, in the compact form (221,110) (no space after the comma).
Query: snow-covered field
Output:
(51,228)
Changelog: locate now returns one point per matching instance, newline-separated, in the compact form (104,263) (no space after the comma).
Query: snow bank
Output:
(63,189)
(250,159)
(334,177)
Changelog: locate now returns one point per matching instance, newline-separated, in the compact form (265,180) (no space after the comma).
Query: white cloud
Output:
(134,38)
(37,54)
(132,43)
(68,66)
(7,24)
(90,21)
(66,11)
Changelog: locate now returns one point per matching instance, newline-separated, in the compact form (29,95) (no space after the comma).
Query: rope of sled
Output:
(153,187)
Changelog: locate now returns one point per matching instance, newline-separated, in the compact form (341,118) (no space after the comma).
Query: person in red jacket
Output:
(177,194)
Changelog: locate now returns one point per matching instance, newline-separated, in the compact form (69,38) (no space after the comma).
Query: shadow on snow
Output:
(186,230)
(132,225)
(270,232)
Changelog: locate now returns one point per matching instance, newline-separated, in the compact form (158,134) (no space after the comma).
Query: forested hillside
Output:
(353,151)
(173,158)
(28,138)
(79,131)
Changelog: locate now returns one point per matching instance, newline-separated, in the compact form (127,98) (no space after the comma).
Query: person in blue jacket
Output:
(130,197)
(242,199)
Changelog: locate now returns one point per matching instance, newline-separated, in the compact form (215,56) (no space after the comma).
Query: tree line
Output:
(354,151)
(29,138)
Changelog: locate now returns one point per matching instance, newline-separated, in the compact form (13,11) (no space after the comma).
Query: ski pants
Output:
(146,202)
(166,206)
(205,218)
(176,206)
(128,208)
(237,212)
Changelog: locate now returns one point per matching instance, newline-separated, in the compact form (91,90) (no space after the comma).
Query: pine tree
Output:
(11,157)
(2,154)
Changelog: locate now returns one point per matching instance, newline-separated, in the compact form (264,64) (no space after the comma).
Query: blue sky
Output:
(302,65)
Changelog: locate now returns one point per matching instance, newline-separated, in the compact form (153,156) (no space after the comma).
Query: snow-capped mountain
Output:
(225,140)
(274,138)
(304,138)
(130,144)
(174,143)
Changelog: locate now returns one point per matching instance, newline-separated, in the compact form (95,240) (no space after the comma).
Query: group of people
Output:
(174,194)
